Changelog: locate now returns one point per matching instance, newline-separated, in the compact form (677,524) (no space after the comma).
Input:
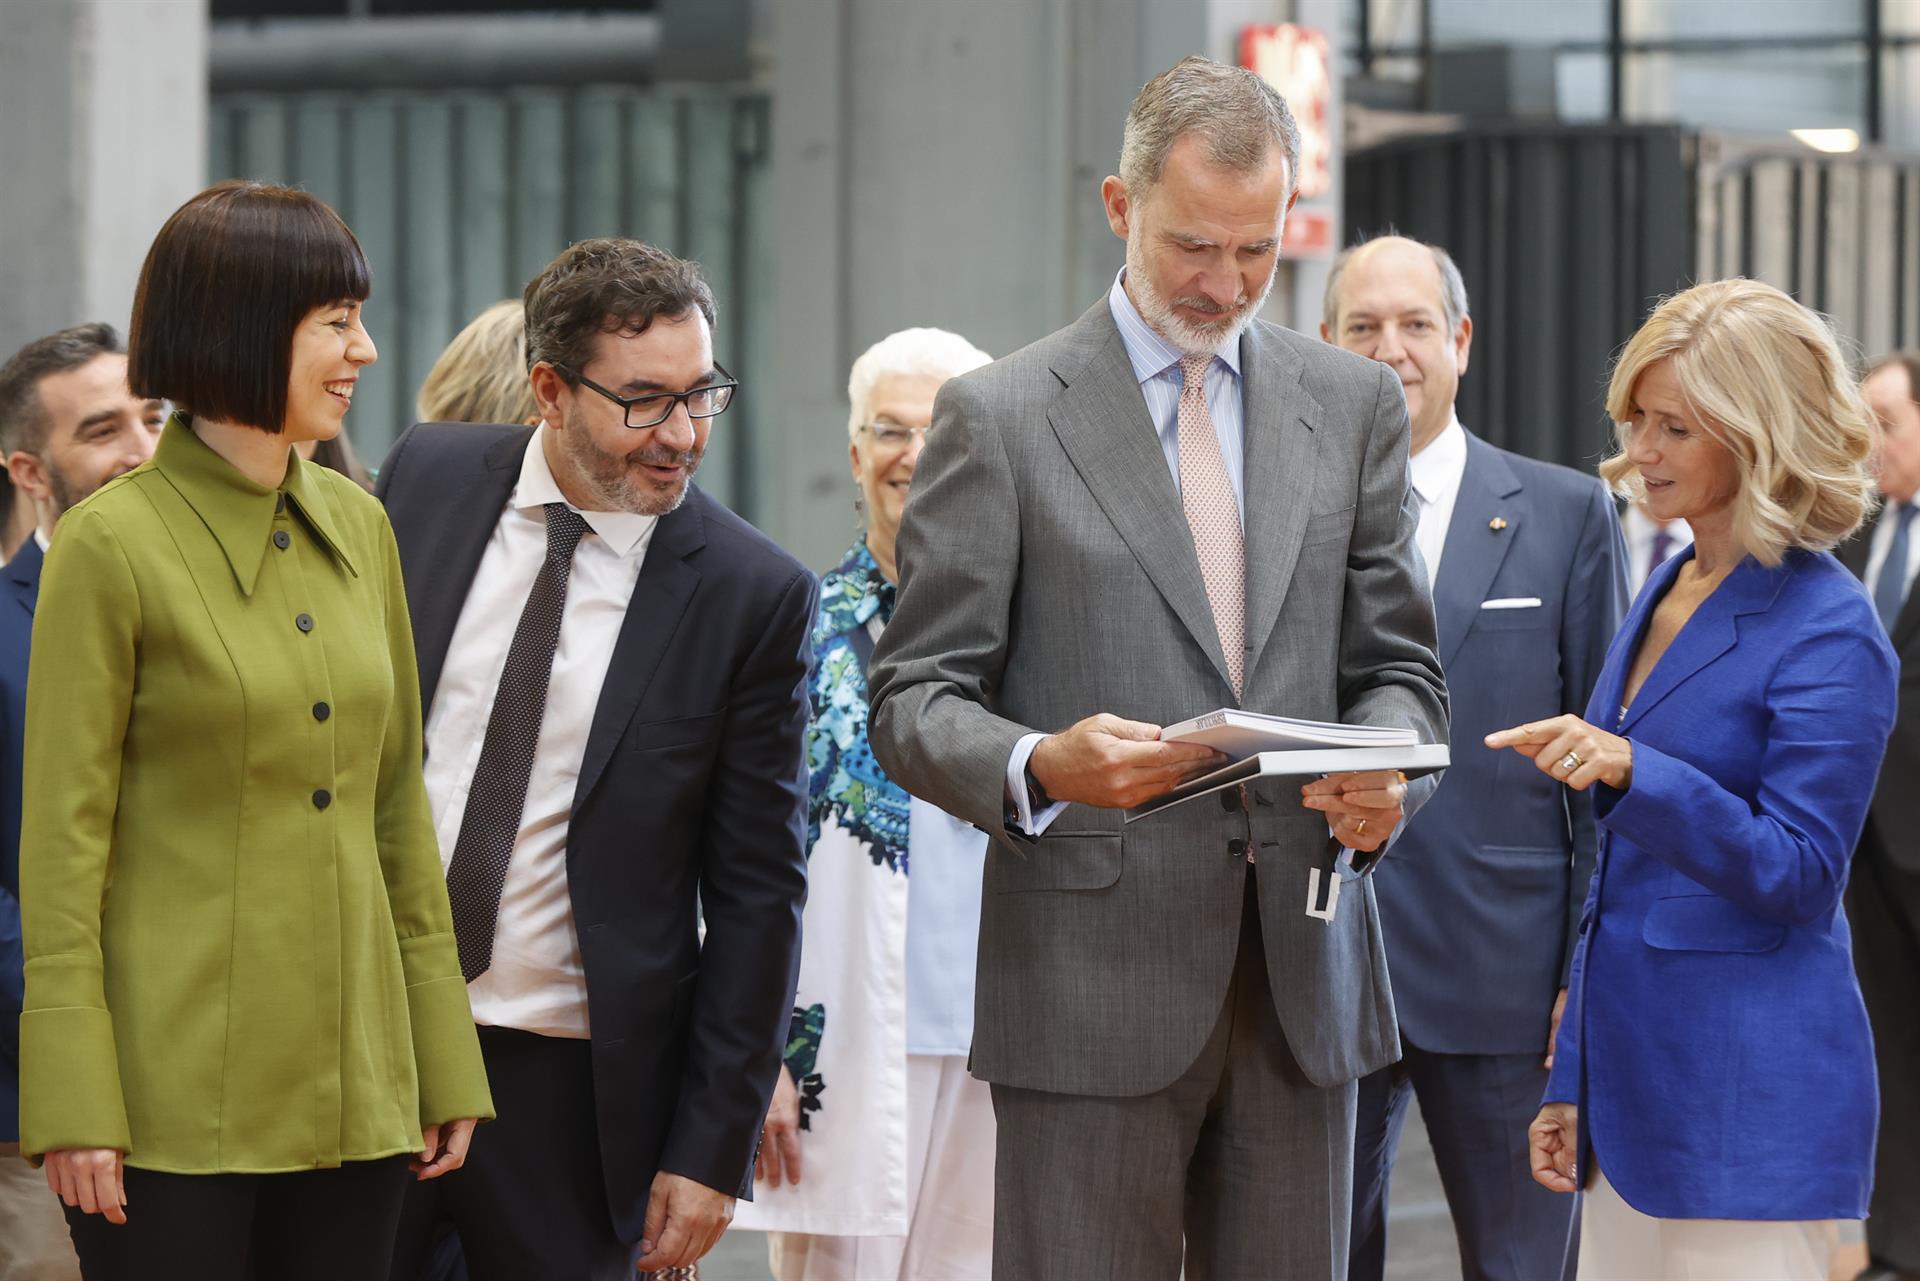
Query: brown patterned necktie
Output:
(477,873)
(1206,494)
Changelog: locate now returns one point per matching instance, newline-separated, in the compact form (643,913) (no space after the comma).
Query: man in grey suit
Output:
(1162,509)
(1481,899)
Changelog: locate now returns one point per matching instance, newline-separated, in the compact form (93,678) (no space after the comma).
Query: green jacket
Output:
(240,956)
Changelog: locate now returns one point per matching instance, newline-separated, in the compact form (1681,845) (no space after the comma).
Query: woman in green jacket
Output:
(244,1010)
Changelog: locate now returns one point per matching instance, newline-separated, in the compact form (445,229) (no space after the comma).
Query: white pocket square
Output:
(1512,602)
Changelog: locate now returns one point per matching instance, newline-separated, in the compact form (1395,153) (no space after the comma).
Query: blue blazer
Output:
(1714,1038)
(1479,903)
(19,590)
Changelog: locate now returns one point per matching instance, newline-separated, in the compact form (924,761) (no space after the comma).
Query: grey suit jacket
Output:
(1047,573)
(1482,898)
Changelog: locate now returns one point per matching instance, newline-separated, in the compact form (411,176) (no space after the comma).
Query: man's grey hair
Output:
(1241,117)
(1453,289)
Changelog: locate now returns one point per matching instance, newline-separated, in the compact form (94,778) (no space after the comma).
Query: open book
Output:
(1413,759)
(1241,734)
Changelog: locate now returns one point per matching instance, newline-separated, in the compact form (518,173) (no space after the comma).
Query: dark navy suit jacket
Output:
(1479,902)
(1714,1037)
(693,784)
(19,589)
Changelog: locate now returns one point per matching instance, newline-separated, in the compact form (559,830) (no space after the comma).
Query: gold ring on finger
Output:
(1570,762)
(1360,828)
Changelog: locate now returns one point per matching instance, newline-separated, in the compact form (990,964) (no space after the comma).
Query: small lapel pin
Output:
(1497,524)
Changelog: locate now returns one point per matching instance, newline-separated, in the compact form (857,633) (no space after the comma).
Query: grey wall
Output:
(102,128)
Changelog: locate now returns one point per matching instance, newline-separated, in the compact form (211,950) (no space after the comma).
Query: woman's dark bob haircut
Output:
(229,277)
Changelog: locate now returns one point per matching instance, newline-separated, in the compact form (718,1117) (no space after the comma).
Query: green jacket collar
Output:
(238,512)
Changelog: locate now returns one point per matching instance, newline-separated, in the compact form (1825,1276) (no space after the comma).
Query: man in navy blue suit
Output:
(1480,902)
(68,425)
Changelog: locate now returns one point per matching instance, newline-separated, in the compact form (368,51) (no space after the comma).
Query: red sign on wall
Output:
(1294,60)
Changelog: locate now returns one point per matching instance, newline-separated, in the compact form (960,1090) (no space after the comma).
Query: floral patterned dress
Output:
(847,1048)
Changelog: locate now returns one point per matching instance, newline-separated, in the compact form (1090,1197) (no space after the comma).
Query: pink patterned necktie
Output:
(1214,517)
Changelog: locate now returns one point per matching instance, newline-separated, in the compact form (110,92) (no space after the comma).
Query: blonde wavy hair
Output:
(1765,377)
(482,375)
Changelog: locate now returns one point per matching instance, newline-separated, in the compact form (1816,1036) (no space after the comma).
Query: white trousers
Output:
(1618,1243)
(34,1245)
(949,1193)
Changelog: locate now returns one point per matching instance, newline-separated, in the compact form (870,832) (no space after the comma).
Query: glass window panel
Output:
(1395,24)
(1580,86)
(1758,91)
(1681,19)
(1900,17)
(1521,22)
(1900,98)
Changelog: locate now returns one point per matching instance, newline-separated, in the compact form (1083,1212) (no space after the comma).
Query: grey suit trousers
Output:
(1241,1157)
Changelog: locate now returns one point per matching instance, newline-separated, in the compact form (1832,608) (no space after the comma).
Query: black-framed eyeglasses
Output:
(652,408)
(894,436)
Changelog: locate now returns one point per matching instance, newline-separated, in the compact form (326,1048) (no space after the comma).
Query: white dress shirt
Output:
(536,982)
(1883,527)
(1156,363)
(1639,530)
(1436,472)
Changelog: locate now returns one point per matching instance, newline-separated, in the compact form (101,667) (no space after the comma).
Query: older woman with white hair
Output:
(1713,1083)
(877,1162)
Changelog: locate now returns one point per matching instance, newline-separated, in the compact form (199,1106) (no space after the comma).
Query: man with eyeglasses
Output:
(614,670)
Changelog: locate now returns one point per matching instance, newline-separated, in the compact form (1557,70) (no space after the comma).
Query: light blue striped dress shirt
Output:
(1156,363)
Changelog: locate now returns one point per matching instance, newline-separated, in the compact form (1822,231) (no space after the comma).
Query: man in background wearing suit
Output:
(614,667)
(1883,895)
(68,425)
(1481,900)
(1165,508)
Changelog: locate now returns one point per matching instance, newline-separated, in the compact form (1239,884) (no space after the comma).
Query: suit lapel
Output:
(1101,421)
(443,573)
(1854,555)
(1280,417)
(1712,631)
(1474,551)
(23,571)
(660,597)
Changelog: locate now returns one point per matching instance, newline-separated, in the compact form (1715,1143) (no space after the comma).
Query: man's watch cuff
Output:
(1037,798)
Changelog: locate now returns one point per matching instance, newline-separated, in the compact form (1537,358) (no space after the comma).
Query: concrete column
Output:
(106,110)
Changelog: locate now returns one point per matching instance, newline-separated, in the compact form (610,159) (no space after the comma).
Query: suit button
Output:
(321,711)
(1230,800)
(322,798)
(304,622)
(282,539)
(1236,847)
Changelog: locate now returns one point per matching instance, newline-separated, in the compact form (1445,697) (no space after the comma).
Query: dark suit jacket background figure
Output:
(690,802)
(19,589)
(1883,904)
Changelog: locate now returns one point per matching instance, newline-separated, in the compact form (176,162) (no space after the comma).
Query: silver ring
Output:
(1570,762)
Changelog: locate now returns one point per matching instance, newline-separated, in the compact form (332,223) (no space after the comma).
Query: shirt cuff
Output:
(1023,817)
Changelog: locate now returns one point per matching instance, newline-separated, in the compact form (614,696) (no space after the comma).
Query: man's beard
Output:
(1195,340)
(68,493)
(611,478)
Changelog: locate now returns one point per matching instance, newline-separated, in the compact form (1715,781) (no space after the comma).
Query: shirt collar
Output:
(621,531)
(238,512)
(1150,354)
(1437,469)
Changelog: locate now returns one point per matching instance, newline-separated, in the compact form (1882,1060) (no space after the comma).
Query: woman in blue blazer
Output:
(1714,1072)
